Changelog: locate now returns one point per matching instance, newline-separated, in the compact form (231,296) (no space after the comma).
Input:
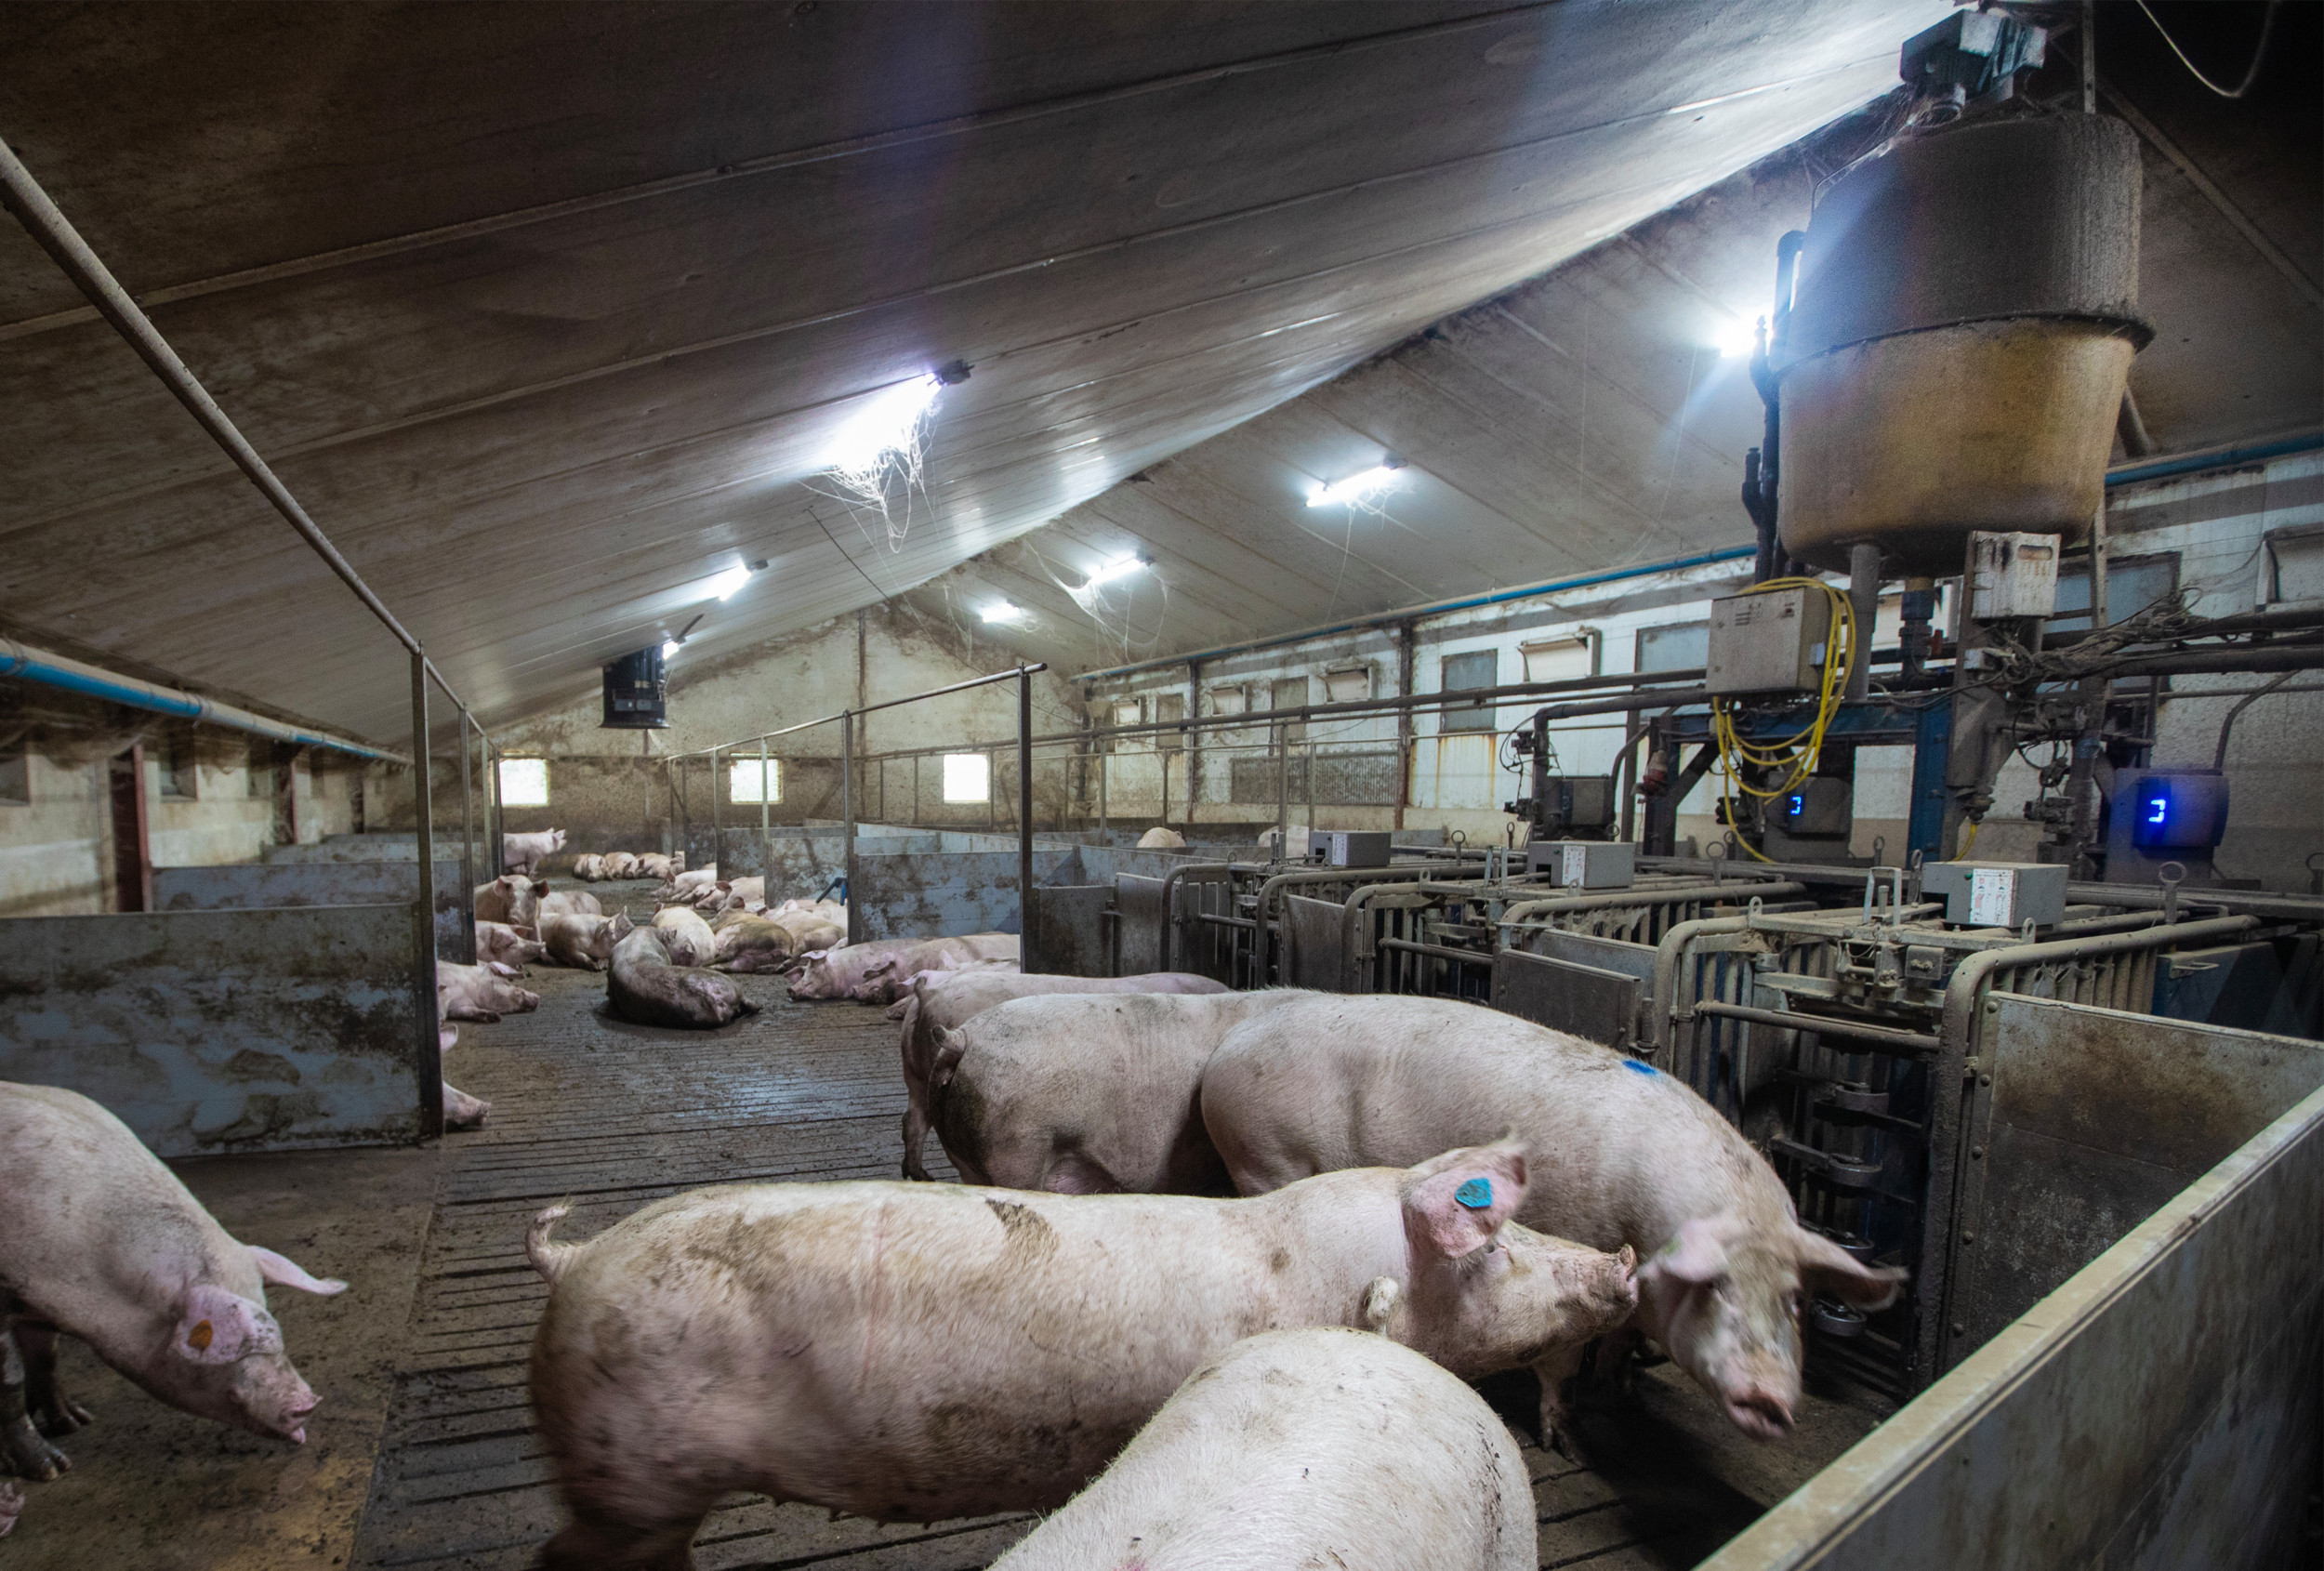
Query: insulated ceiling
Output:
(550,313)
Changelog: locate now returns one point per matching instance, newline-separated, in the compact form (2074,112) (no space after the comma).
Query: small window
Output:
(1557,660)
(175,761)
(2132,585)
(1168,709)
(1235,700)
(968,777)
(742,783)
(2294,564)
(1291,692)
(16,778)
(1476,669)
(260,771)
(1130,711)
(524,783)
(1348,684)
(1685,646)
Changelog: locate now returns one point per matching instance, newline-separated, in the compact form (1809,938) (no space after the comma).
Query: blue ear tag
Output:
(1643,1068)
(1477,1194)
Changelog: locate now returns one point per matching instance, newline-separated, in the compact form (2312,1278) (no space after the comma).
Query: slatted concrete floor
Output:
(614,1117)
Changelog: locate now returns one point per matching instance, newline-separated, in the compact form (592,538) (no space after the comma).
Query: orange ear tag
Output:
(199,1337)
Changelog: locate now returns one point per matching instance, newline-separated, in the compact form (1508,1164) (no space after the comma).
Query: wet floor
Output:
(424,1379)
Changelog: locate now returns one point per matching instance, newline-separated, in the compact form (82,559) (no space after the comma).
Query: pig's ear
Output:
(623,926)
(1455,1203)
(447,1038)
(286,1274)
(502,968)
(1825,1267)
(217,1326)
(1696,1254)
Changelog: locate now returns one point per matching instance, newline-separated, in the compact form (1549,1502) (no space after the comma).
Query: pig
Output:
(498,940)
(571,902)
(1625,1156)
(620,865)
(750,894)
(753,944)
(643,985)
(480,993)
(1159,838)
(11,1507)
(839,972)
(510,898)
(103,1243)
(1087,1094)
(524,853)
(687,888)
(947,1000)
(885,979)
(461,1111)
(812,931)
(590,868)
(654,865)
(691,941)
(914,1351)
(830,910)
(584,943)
(1325,1447)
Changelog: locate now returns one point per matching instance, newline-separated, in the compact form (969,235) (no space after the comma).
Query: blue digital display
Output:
(2157,808)
(1798,803)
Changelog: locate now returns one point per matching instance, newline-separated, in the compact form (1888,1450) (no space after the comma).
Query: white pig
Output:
(461,1111)
(1159,838)
(642,984)
(524,853)
(498,940)
(571,902)
(590,869)
(691,941)
(838,973)
(947,1000)
(1625,1156)
(620,865)
(103,1243)
(884,980)
(511,898)
(914,1351)
(1085,1094)
(480,993)
(1321,1448)
(585,942)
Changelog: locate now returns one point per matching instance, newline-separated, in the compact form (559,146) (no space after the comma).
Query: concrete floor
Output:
(422,1454)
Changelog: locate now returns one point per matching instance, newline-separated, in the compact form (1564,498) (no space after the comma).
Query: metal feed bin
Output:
(1964,319)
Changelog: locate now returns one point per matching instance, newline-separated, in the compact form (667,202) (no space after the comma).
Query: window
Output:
(174,760)
(1232,700)
(1125,711)
(968,777)
(524,783)
(742,783)
(16,778)
(2132,585)
(1685,646)
(1169,708)
(1291,692)
(1479,667)
(2294,564)
(260,772)
(1557,660)
(1348,684)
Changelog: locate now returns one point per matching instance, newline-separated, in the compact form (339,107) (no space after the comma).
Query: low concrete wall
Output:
(268,885)
(935,894)
(223,1031)
(2159,1410)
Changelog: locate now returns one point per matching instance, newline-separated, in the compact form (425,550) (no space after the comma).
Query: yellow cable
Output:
(1796,755)
(1969,844)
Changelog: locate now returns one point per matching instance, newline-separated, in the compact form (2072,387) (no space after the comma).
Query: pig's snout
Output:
(1760,1413)
(280,1408)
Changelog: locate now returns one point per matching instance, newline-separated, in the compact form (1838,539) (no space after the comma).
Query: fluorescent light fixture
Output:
(669,647)
(727,585)
(883,423)
(1735,339)
(1355,488)
(1001,611)
(1121,567)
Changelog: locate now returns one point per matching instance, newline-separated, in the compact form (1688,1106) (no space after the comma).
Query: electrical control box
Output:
(1584,863)
(2013,575)
(1771,640)
(1347,848)
(1996,894)
(636,698)
(2176,810)
(1817,806)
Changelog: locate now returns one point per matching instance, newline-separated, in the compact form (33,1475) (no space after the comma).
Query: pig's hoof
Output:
(60,1415)
(31,1457)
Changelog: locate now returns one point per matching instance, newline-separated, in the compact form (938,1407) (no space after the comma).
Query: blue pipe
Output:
(2223,458)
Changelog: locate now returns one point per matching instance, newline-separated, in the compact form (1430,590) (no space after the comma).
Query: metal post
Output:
(1282,741)
(468,850)
(495,822)
(1105,768)
(1025,812)
(1864,596)
(766,832)
(847,813)
(717,827)
(992,791)
(428,1055)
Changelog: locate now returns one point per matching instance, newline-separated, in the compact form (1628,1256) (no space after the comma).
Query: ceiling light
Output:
(1736,339)
(729,582)
(1355,488)
(1001,611)
(884,422)
(1121,567)
(669,647)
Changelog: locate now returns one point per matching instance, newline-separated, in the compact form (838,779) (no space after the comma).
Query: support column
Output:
(847,813)
(426,1052)
(1024,810)
(468,850)
(1864,597)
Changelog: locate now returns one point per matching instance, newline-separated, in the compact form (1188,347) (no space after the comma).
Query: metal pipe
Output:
(468,850)
(1884,1038)
(28,664)
(1025,809)
(767,797)
(22,195)
(2219,759)
(1666,965)
(428,1048)
(1742,888)
(1210,871)
(1864,599)
(2267,906)
(1009,675)
(847,810)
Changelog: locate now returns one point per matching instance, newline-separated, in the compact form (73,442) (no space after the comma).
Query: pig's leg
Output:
(20,1445)
(1556,1418)
(914,1139)
(590,1542)
(53,1412)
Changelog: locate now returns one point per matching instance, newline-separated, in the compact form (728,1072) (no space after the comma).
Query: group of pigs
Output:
(1243,1248)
